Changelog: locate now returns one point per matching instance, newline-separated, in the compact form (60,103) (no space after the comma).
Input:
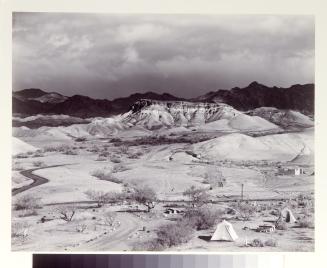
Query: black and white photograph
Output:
(163,132)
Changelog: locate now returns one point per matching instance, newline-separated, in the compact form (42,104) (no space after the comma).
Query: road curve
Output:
(117,239)
(37,180)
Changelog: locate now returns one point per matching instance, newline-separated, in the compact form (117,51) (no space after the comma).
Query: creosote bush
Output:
(105,175)
(27,202)
(305,222)
(202,219)
(173,234)
(19,229)
(281,225)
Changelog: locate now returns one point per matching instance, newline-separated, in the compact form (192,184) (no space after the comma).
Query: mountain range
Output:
(36,101)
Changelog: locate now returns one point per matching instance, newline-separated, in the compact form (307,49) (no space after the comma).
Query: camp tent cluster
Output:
(226,232)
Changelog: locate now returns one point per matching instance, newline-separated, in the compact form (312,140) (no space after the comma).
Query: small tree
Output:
(245,210)
(197,196)
(67,213)
(145,196)
(99,196)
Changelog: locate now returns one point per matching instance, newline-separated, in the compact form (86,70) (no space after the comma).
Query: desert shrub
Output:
(274,213)
(257,243)
(123,149)
(80,228)
(197,196)
(38,164)
(105,175)
(67,213)
(281,225)
(27,213)
(27,202)
(104,154)
(135,155)
(109,218)
(115,159)
(202,219)
(101,158)
(245,210)
(38,153)
(173,234)
(19,229)
(115,140)
(305,222)
(16,166)
(150,245)
(94,149)
(119,168)
(100,197)
(270,243)
(58,148)
(80,139)
(70,151)
(21,155)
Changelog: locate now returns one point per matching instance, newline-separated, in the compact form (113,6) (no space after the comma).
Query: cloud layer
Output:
(109,56)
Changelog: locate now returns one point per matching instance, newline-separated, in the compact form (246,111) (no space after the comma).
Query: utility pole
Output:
(242,188)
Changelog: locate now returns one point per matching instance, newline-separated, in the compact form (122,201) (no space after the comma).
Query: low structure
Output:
(295,171)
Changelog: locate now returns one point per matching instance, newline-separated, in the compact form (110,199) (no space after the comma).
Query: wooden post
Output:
(242,185)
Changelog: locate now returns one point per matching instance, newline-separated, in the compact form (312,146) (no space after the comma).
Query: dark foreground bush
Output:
(305,223)
(173,234)
(280,225)
(202,219)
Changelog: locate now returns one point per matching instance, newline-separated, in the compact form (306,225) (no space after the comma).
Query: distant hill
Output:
(36,101)
(255,95)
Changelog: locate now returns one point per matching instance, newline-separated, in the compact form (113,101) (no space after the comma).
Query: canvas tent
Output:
(287,216)
(224,231)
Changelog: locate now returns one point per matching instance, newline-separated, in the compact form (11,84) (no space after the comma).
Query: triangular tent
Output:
(287,216)
(224,231)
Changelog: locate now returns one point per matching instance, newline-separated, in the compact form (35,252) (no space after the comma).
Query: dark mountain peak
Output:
(255,84)
(30,93)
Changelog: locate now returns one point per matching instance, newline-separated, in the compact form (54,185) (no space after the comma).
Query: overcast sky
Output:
(109,56)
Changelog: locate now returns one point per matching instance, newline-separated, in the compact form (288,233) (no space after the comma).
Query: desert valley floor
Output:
(66,169)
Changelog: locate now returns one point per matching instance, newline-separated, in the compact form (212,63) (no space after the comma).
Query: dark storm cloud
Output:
(110,56)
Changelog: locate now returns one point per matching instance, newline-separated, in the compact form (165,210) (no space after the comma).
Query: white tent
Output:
(224,231)
(287,215)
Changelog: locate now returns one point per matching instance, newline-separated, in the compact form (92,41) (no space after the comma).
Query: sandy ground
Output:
(167,169)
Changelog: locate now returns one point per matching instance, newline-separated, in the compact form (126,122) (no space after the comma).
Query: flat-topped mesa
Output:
(154,113)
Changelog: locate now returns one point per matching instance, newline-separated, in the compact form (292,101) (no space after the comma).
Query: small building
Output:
(294,171)
(172,211)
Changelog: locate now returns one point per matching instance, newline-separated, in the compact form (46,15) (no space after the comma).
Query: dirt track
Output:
(116,240)
(37,180)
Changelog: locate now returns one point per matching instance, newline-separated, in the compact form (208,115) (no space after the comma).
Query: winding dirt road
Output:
(116,240)
(37,180)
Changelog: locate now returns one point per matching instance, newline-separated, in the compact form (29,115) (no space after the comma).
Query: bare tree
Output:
(99,197)
(197,196)
(67,213)
(145,196)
